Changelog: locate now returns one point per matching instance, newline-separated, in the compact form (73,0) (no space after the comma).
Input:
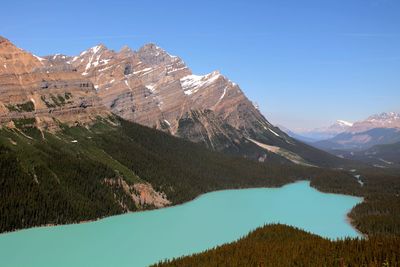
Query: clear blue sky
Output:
(306,63)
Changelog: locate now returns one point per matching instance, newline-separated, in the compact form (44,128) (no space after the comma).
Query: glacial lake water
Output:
(143,238)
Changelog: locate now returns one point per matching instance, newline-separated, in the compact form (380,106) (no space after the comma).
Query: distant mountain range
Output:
(368,140)
(383,120)
(323,133)
(356,141)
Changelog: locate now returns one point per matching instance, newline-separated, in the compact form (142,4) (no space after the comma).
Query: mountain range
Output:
(373,140)
(149,87)
(356,141)
(382,120)
(318,134)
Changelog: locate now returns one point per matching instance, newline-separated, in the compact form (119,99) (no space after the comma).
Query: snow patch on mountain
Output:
(192,83)
(273,132)
(127,84)
(151,88)
(143,71)
(39,58)
(344,123)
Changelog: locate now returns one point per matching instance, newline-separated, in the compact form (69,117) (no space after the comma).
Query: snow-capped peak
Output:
(94,58)
(384,116)
(93,50)
(96,49)
(344,123)
(382,120)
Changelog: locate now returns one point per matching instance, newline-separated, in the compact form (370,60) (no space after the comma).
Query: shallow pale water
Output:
(139,239)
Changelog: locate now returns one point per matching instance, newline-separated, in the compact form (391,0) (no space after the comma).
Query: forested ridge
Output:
(281,245)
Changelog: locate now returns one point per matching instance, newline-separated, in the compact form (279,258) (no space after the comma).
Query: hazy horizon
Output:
(305,63)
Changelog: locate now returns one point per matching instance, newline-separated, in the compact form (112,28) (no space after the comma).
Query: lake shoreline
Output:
(349,220)
(183,229)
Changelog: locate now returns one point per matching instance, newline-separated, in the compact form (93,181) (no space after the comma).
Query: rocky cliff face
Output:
(156,89)
(147,86)
(34,87)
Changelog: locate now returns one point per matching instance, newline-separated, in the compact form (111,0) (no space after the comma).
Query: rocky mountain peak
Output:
(44,89)
(126,50)
(16,60)
(384,116)
(152,54)
(323,133)
(92,58)
(382,120)
(97,49)
(338,127)
(154,88)
(151,47)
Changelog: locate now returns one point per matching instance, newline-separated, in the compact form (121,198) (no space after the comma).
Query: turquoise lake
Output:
(143,238)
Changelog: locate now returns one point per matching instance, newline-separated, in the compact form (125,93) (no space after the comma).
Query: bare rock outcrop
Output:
(35,87)
(141,194)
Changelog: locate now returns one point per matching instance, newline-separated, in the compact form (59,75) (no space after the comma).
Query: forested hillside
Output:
(280,245)
(83,173)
